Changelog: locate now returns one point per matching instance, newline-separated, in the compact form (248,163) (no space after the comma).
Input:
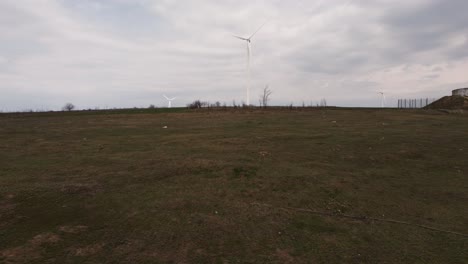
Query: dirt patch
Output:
(88,250)
(45,238)
(80,188)
(6,211)
(73,229)
(284,256)
(330,239)
(22,254)
(179,254)
(129,246)
(199,165)
(29,251)
(6,205)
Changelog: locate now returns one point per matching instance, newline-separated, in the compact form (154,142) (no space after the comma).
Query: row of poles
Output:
(415,103)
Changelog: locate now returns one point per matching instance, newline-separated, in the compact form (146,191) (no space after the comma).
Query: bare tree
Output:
(265,97)
(323,102)
(198,104)
(195,104)
(68,107)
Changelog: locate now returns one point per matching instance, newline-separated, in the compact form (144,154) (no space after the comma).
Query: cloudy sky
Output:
(125,53)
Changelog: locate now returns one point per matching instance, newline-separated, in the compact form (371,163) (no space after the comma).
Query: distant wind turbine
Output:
(169,101)
(382,103)
(248,40)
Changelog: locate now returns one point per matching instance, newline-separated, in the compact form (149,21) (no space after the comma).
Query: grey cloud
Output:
(127,52)
(20,32)
(430,76)
(389,37)
(436,16)
(429,27)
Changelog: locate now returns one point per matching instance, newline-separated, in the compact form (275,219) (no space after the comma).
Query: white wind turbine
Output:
(382,103)
(169,101)
(248,40)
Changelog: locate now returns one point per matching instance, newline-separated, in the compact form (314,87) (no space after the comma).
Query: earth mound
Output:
(450,102)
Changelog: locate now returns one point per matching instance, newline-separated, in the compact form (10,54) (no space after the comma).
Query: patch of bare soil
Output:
(87,250)
(6,211)
(29,251)
(73,229)
(79,188)
(284,256)
(179,254)
(129,247)
(45,238)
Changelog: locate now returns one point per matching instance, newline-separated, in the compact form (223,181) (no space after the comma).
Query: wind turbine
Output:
(169,101)
(382,103)
(248,41)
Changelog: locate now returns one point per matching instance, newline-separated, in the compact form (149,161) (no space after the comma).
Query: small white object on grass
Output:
(164,126)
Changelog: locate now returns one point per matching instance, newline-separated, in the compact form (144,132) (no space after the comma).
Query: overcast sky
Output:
(125,53)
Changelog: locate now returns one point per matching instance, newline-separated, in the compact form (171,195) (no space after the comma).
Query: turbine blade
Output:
(240,37)
(257,30)
(166,97)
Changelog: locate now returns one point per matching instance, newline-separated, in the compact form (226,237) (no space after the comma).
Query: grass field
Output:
(233,186)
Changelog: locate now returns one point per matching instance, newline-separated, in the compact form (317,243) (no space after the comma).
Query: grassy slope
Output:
(106,188)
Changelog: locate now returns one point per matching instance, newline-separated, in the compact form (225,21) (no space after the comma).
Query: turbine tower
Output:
(248,41)
(382,103)
(169,101)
